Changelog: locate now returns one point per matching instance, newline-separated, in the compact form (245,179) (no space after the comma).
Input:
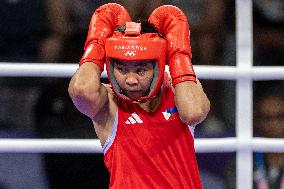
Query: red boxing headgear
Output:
(132,45)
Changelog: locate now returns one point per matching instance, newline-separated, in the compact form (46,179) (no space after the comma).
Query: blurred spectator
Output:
(206,28)
(140,9)
(268,20)
(228,58)
(67,26)
(269,122)
(22,26)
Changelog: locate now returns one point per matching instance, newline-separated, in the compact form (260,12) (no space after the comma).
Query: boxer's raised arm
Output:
(85,88)
(191,101)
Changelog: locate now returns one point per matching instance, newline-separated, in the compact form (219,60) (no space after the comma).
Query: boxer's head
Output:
(135,62)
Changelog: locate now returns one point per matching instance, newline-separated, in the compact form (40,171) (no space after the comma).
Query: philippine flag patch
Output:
(169,112)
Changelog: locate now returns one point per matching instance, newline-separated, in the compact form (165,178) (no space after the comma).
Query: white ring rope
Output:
(203,72)
(208,145)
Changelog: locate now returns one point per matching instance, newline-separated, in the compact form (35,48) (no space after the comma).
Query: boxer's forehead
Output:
(143,63)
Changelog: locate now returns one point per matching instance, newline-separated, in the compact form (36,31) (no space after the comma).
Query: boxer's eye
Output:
(141,71)
(121,69)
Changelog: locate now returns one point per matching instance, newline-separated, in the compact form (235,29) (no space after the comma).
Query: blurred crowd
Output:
(54,31)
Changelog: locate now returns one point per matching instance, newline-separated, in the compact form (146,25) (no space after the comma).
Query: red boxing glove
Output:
(103,22)
(173,25)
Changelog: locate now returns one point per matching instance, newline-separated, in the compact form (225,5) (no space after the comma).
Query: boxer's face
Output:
(134,77)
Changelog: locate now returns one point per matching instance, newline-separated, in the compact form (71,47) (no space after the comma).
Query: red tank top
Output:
(151,150)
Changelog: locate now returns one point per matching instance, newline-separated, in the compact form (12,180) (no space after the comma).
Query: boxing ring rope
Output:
(209,145)
(17,69)
(244,144)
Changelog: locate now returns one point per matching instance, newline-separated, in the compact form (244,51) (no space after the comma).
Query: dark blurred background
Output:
(54,31)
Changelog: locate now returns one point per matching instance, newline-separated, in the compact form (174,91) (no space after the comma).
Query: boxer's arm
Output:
(85,88)
(88,94)
(191,101)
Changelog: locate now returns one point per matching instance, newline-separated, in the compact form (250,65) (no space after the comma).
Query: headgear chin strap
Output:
(132,46)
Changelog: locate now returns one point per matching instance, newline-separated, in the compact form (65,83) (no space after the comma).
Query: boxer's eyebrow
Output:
(135,63)
(143,63)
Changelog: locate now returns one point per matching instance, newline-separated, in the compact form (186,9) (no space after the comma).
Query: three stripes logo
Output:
(134,118)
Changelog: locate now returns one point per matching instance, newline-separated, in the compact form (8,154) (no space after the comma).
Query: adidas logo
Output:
(134,118)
